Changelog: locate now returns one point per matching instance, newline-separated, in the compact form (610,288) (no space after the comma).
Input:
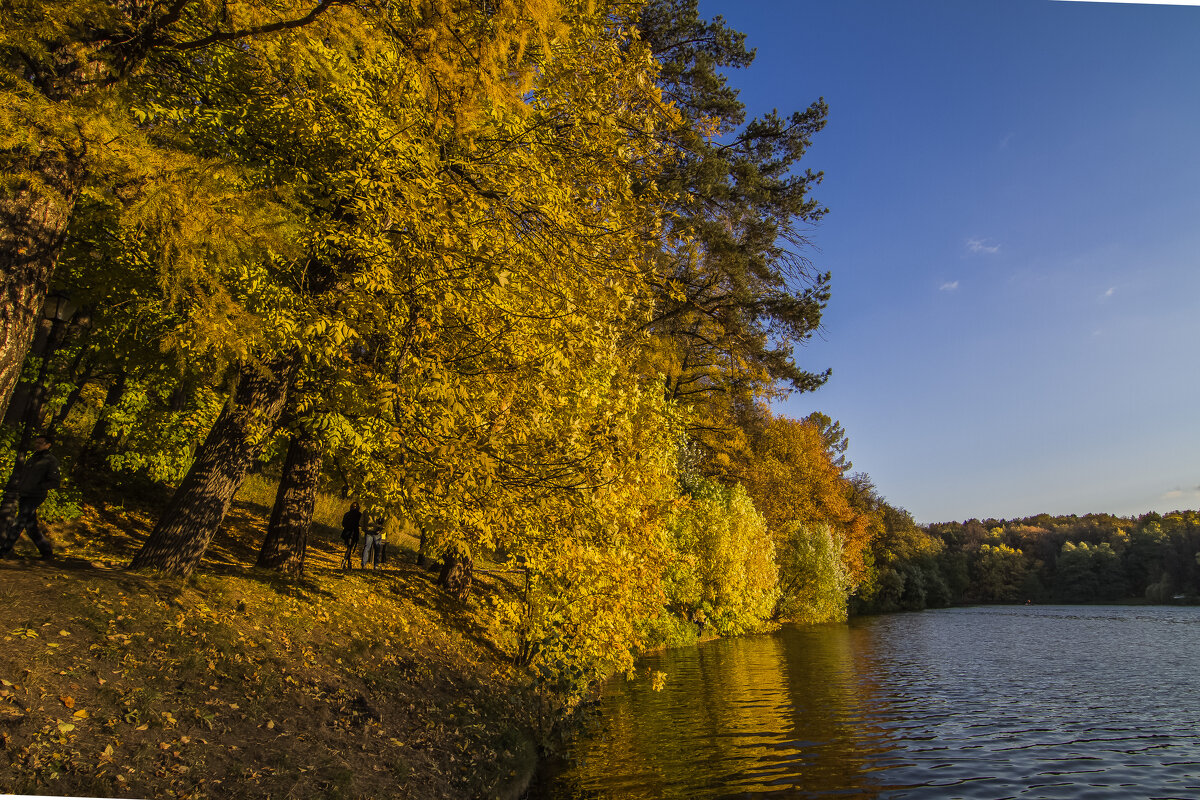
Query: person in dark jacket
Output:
(350,521)
(39,475)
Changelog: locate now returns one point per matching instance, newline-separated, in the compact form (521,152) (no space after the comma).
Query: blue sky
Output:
(1014,236)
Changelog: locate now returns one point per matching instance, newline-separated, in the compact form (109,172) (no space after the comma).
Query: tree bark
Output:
(33,224)
(69,404)
(458,569)
(198,507)
(284,547)
(93,448)
(421,558)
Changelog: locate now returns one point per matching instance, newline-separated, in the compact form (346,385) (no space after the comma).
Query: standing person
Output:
(39,475)
(350,522)
(372,530)
(381,548)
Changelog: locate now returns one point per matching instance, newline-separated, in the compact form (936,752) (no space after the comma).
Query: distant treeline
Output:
(1065,559)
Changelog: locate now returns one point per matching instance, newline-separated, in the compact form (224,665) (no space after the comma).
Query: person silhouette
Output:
(350,523)
(38,476)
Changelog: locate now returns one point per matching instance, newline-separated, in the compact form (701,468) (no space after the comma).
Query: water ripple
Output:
(986,703)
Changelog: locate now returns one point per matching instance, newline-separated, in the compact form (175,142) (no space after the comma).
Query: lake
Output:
(992,702)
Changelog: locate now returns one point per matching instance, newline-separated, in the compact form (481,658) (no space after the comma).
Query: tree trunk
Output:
(33,224)
(32,416)
(287,532)
(198,506)
(421,559)
(93,448)
(68,405)
(457,572)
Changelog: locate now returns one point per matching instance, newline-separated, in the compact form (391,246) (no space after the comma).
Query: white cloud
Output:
(1171,495)
(982,246)
(948,286)
(1110,291)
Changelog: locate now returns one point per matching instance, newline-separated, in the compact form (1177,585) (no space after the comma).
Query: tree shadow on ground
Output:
(106,538)
(419,584)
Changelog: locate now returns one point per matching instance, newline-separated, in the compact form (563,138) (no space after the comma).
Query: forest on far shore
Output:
(1040,559)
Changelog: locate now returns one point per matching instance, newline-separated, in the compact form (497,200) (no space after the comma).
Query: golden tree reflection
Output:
(787,713)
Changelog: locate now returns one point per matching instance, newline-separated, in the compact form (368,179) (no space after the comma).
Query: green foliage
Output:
(999,574)
(1093,558)
(812,576)
(63,503)
(906,586)
(1088,572)
(668,629)
(152,439)
(905,569)
(1161,591)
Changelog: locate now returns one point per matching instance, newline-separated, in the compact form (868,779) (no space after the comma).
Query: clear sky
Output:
(1014,237)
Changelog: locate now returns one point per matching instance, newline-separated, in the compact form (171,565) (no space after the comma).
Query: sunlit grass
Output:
(261,490)
(236,680)
(328,509)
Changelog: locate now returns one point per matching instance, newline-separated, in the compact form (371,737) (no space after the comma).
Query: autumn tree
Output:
(813,579)
(722,574)
(69,70)
(355,127)
(794,481)
(903,570)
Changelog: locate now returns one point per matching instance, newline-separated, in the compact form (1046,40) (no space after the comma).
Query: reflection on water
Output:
(1030,702)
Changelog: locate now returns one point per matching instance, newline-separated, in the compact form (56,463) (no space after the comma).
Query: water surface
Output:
(1032,702)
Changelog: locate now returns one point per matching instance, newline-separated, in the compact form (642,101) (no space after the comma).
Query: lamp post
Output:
(56,310)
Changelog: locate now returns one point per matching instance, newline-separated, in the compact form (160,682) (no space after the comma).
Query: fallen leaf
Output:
(80,714)
(65,727)
(69,702)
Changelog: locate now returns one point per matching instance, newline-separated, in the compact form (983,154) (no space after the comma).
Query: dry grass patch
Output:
(238,682)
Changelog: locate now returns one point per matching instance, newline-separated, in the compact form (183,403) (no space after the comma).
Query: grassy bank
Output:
(236,682)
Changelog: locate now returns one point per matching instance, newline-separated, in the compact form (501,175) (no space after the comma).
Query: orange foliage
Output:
(792,478)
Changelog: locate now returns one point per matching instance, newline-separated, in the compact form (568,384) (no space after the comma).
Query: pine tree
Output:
(737,294)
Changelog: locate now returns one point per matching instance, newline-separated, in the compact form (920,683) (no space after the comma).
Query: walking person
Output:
(350,522)
(39,475)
